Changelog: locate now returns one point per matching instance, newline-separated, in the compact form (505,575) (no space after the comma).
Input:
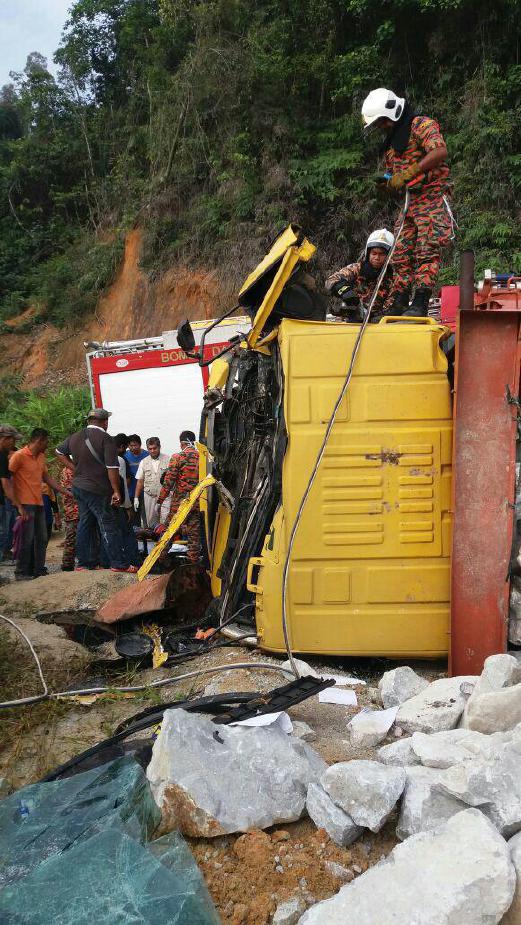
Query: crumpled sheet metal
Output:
(134,600)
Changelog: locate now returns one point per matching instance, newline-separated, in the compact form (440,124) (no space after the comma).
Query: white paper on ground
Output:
(268,719)
(382,720)
(341,680)
(338,695)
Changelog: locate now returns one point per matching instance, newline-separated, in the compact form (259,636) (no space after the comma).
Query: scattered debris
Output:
(367,790)
(438,706)
(460,873)
(326,815)
(399,685)
(338,695)
(201,784)
(302,667)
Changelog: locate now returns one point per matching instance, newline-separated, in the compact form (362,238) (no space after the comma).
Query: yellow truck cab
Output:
(369,570)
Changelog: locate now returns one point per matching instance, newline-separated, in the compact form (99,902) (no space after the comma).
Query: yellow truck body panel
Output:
(369,571)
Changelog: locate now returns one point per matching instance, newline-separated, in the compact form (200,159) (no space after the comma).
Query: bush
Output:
(61,412)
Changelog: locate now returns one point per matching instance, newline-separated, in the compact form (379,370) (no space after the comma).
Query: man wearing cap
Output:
(93,455)
(415,160)
(8,437)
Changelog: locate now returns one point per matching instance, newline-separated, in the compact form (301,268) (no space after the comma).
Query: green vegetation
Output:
(211,122)
(61,412)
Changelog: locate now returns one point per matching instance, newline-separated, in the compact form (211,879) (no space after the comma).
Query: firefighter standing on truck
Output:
(416,158)
(355,283)
(180,478)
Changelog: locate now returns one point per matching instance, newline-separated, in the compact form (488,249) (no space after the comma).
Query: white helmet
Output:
(381,238)
(382,104)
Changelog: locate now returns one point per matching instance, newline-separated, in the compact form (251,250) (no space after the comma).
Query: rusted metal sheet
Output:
(185,593)
(487,371)
(134,600)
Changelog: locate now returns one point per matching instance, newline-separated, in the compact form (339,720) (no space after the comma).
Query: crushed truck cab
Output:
(369,570)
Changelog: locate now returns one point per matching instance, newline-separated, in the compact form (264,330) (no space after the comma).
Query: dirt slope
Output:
(133,306)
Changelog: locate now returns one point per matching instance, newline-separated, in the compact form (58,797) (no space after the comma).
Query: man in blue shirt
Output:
(134,455)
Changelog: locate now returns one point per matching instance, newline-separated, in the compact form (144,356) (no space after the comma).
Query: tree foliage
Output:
(210,121)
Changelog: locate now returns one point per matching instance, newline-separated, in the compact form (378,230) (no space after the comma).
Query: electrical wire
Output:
(309,486)
(38,697)
(162,682)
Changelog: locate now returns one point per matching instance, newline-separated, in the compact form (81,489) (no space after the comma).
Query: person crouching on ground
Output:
(92,453)
(148,482)
(355,283)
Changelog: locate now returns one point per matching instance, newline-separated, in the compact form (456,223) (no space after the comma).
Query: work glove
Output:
(136,504)
(342,290)
(399,180)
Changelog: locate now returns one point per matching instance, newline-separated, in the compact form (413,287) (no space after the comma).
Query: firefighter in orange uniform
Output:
(416,159)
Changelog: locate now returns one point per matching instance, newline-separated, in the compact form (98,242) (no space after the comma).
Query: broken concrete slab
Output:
(513,916)
(460,874)
(492,784)
(399,685)
(398,753)
(437,707)
(495,703)
(326,815)
(423,807)
(366,790)
(370,727)
(210,779)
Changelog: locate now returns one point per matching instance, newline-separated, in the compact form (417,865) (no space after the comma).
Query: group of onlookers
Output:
(111,489)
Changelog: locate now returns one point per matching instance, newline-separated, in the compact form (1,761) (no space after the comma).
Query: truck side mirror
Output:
(185,338)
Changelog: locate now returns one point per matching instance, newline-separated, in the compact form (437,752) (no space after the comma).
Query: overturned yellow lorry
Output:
(369,569)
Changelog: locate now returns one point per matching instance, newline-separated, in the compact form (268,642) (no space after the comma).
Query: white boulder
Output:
(400,684)
(366,790)
(326,815)
(423,807)
(369,727)
(460,874)
(495,703)
(211,779)
(437,707)
(493,784)
(303,668)
(398,753)
(289,912)
(445,749)
(513,916)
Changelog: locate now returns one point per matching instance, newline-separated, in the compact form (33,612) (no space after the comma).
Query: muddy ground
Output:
(247,875)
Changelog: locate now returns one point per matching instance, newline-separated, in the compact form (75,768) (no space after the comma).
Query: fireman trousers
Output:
(428,227)
(189,532)
(69,546)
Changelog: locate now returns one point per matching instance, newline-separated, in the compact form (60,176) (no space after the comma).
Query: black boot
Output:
(420,304)
(400,303)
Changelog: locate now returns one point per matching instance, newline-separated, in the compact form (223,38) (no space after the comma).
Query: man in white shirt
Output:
(148,482)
